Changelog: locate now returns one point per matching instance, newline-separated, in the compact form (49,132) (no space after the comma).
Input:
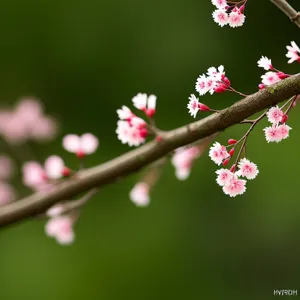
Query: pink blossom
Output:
(293,52)
(270,78)
(284,131)
(6,167)
(26,121)
(55,210)
(145,103)
(33,175)
(224,175)
(221,17)
(81,145)
(275,115)
(183,160)
(55,167)
(247,169)
(212,82)
(265,63)
(7,193)
(124,113)
(236,18)
(61,228)
(216,74)
(218,153)
(13,129)
(234,186)
(28,110)
(139,195)
(45,129)
(273,134)
(133,132)
(219,3)
(193,106)
(201,85)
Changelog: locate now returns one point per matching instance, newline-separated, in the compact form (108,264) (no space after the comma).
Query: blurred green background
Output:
(84,59)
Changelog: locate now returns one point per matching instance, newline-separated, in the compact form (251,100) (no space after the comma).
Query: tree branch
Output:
(135,160)
(288,10)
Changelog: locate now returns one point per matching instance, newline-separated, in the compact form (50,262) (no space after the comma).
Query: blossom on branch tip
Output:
(224,175)
(194,106)
(214,81)
(145,103)
(139,195)
(293,53)
(55,168)
(221,17)
(247,169)
(61,228)
(236,18)
(80,145)
(275,115)
(265,63)
(284,131)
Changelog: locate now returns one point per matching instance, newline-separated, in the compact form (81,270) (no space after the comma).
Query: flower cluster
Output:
(232,15)
(230,180)
(273,75)
(214,81)
(279,130)
(44,177)
(27,121)
(7,193)
(41,178)
(131,129)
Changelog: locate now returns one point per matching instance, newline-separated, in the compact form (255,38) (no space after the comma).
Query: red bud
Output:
(227,81)
(80,154)
(261,86)
(150,113)
(232,169)
(226,161)
(284,118)
(282,75)
(232,142)
(231,152)
(203,107)
(143,132)
(66,172)
(221,88)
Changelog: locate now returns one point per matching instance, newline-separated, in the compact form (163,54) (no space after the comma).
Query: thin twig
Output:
(286,8)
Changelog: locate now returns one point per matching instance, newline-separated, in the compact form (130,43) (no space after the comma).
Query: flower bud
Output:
(232,142)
